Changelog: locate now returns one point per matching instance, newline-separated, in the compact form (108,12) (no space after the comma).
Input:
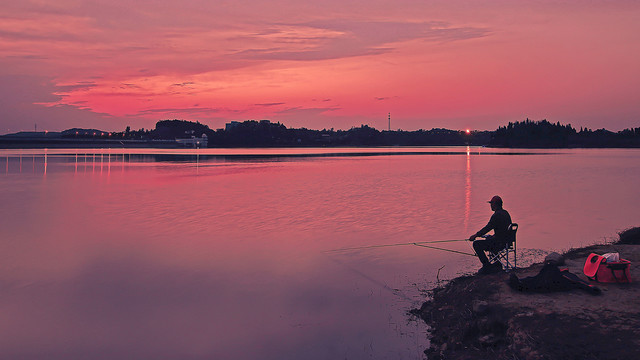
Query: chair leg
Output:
(508,264)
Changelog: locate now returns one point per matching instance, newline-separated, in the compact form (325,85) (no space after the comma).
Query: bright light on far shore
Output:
(468,131)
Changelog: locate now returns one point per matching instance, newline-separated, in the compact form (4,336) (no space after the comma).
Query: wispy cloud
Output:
(83,85)
(300,110)
(185,110)
(323,40)
(270,104)
(184,84)
(385,98)
(24,102)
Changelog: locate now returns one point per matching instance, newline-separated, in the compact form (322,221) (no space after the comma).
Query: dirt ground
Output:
(481,317)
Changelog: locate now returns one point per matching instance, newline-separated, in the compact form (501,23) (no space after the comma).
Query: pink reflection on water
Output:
(467,192)
(222,258)
(46,162)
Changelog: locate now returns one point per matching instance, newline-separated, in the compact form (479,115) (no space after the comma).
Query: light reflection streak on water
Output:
(467,192)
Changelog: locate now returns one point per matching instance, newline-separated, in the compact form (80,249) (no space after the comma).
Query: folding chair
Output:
(502,255)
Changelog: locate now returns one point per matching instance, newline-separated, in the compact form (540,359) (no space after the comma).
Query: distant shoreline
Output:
(265,134)
(83,143)
(170,144)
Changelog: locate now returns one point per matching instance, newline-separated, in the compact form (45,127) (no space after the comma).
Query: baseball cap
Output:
(495,199)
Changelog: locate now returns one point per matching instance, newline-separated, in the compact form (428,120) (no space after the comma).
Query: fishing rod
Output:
(443,249)
(381,284)
(417,243)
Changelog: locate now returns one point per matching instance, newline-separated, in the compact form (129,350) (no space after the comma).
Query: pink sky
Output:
(107,64)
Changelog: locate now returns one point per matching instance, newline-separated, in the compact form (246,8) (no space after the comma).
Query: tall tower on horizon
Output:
(389,118)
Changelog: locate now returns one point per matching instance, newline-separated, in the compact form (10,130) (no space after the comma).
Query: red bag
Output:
(598,269)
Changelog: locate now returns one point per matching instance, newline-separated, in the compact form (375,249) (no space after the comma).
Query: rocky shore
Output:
(481,317)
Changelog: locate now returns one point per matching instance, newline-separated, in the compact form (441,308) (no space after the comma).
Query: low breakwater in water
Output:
(481,317)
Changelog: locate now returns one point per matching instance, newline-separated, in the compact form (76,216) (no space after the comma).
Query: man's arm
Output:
(490,226)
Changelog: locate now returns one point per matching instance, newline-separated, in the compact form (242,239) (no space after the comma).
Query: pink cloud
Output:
(433,64)
(270,104)
(22,100)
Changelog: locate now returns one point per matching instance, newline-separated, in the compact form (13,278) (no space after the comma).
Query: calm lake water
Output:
(226,254)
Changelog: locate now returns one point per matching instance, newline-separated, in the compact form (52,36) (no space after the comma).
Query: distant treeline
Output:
(543,134)
(265,133)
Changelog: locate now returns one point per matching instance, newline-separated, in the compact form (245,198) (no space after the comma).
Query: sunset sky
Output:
(107,64)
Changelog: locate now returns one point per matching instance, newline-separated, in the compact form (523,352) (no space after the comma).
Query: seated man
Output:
(499,223)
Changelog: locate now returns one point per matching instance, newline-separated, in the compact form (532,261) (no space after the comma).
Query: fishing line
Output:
(443,249)
(472,249)
(390,245)
(380,284)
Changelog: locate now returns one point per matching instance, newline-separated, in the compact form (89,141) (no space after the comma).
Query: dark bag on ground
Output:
(551,279)
(597,268)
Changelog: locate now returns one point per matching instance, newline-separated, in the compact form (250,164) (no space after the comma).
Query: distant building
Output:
(194,142)
(231,125)
(324,138)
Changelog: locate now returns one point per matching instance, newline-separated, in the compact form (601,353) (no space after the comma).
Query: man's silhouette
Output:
(499,223)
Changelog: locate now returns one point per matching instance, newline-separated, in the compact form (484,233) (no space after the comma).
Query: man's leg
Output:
(480,246)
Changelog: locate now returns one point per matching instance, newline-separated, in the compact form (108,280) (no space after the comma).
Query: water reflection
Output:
(268,154)
(153,261)
(467,192)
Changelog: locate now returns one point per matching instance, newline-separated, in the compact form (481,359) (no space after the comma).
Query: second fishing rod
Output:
(416,243)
